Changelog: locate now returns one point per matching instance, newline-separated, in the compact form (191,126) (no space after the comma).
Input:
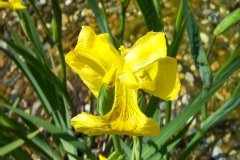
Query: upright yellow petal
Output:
(92,58)
(125,117)
(167,83)
(145,51)
(97,48)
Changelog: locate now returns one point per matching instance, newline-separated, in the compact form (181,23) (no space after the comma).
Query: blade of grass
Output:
(193,108)
(101,19)
(227,22)
(18,153)
(32,34)
(55,131)
(210,122)
(40,17)
(151,16)
(198,53)
(17,143)
(32,80)
(122,20)
(38,143)
(41,68)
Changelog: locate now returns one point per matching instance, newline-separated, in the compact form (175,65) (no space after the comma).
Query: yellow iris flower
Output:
(12,4)
(143,66)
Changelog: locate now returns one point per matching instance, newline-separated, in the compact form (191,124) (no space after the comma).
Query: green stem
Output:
(89,137)
(62,61)
(122,20)
(204,108)
(168,111)
(137,148)
(40,18)
(116,143)
(210,47)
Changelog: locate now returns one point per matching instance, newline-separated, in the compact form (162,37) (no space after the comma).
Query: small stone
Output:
(42,2)
(215,66)
(180,67)
(29,91)
(221,53)
(204,37)
(183,90)
(189,77)
(217,153)
(162,106)
(64,19)
(87,107)
(36,109)
(207,11)
(193,67)
(181,75)
(185,99)
(67,2)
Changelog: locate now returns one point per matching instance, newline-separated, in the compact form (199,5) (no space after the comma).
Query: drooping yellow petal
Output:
(145,51)
(92,58)
(89,71)
(12,4)
(167,83)
(125,117)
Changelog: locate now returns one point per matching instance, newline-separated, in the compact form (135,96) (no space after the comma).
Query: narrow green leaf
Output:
(32,3)
(198,53)
(55,131)
(31,32)
(126,149)
(105,99)
(38,143)
(152,105)
(210,122)
(193,108)
(151,16)
(41,68)
(177,38)
(101,19)
(227,22)
(31,79)
(17,143)
(221,113)
(18,153)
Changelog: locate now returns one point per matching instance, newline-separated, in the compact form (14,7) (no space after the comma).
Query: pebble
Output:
(36,108)
(68,2)
(185,99)
(207,11)
(189,77)
(42,2)
(215,66)
(221,53)
(204,37)
(217,153)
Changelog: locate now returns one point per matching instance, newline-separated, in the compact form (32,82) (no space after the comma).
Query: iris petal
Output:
(145,51)
(167,82)
(97,48)
(92,58)
(125,117)
(12,4)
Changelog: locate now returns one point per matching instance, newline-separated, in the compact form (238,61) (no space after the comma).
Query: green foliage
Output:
(51,90)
